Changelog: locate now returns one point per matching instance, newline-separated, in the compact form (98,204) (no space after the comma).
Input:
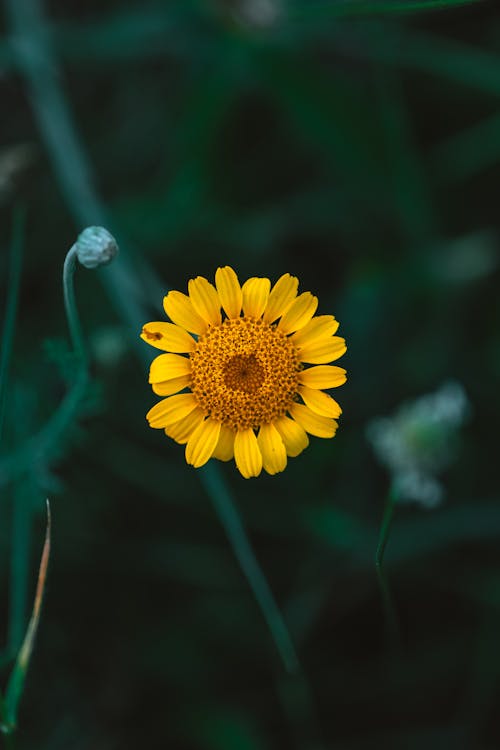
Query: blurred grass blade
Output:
(3,717)
(172,207)
(17,678)
(19,565)
(345,8)
(468,152)
(41,448)
(454,60)
(16,247)
(391,619)
(330,114)
(410,191)
(235,531)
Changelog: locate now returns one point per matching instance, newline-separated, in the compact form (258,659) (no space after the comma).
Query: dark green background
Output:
(349,144)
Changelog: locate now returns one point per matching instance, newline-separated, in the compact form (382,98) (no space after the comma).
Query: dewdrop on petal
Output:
(95,247)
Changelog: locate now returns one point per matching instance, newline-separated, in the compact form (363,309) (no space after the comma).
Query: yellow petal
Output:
(293,435)
(168,387)
(229,290)
(255,296)
(180,310)
(202,442)
(299,313)
(171,410)
(205,300)
(319,402)
(272,448)
(322,326)
(169,337)
(247,453)
(181,430)
(323,376)
(168,366)
(322,427)
(224,450)
(281,297)
(323,350)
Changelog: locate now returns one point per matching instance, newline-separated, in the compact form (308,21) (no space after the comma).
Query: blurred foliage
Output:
(356,145)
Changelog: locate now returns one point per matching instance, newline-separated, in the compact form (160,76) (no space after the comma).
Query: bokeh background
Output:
(357,146)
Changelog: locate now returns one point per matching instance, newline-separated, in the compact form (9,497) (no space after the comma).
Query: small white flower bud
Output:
(95,247)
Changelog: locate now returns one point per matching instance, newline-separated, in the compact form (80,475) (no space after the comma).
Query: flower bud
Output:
(95,247)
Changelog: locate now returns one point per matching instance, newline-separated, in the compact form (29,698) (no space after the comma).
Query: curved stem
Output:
(75,328)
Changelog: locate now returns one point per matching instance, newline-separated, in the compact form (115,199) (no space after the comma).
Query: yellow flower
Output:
(235,388)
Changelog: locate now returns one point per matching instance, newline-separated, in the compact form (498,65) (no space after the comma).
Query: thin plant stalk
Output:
(74,325)
(390,614)
(242,549)
(16,254)
(17,678)
(297,700)
(13,286)
(19,566)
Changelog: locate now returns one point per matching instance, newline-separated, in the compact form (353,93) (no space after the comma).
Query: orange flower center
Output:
(244,372)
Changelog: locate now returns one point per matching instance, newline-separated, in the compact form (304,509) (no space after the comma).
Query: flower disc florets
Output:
(236,383)
(244,373)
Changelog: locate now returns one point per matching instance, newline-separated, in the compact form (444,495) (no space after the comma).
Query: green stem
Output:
(11,305)
(385,526)
(15,684)
(75,328)
(297,700)
(391,618)
(242,549)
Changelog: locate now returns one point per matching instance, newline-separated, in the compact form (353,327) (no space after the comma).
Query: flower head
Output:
(235,374)
(420,441)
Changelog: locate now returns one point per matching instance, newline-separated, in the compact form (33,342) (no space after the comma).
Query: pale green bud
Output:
(95,247)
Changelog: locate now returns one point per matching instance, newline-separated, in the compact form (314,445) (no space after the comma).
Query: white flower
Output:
(419,441)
